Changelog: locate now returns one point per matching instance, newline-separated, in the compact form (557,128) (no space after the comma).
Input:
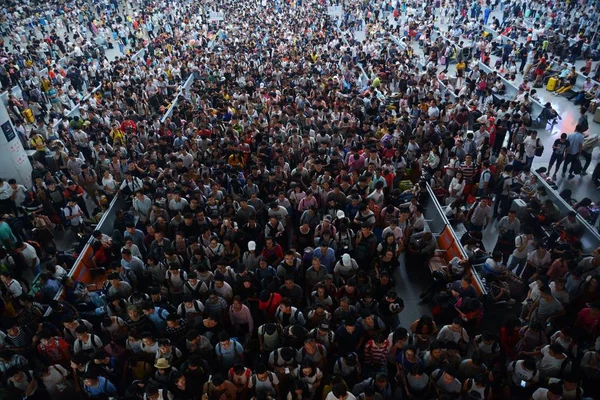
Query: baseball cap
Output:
(346,260)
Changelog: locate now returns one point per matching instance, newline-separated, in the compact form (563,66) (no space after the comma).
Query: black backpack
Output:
(499,186)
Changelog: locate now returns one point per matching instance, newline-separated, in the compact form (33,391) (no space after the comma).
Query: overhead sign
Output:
(215,16)
(335,11)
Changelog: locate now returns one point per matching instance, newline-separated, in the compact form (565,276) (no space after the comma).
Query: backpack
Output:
(169,280)
(539,148)
(194,292)
(63,216)
(92,342)
(269,374)
(486,391)
(196,307)
(160,313)
(276,357)
(234,342)
(514,366)
(499,186)
(319,350)
(491,182)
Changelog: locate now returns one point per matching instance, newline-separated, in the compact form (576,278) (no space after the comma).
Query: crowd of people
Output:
(265,212)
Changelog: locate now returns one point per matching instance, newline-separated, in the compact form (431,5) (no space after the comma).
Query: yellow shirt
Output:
(38,142)
(117,136)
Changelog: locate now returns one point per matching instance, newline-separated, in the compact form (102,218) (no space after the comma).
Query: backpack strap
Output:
(564,364)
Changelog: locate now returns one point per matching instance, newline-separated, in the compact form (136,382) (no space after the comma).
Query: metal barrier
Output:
(75,110)
(184,91)
(590,239)
(437,221)
(105,225)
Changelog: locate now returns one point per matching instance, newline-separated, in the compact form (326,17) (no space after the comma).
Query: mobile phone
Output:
(287,370)
(523,384)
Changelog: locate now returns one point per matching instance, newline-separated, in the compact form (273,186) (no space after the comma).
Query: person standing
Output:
(573,152)
(559,150)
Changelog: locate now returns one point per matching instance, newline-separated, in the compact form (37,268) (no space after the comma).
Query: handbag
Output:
(539,149)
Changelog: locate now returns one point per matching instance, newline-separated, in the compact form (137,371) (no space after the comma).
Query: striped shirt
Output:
(468,171)
(376,354)
(21,339)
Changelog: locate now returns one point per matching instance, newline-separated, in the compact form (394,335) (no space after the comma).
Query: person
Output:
(7,237)
(219,138)
(573,151)
(559,149)
(518,258)
(95,386)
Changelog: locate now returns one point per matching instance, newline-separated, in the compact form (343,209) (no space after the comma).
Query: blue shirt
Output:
(327,259)
(159,318)
(576,141)
(104,387)
(230,355)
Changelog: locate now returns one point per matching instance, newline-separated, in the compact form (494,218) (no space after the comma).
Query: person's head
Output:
(555,391)
(465,282)
(90,379)
(556,350)
(410,352)
(546,292)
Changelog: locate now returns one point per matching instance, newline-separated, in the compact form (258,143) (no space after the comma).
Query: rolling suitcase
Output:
(28,114)
(551,86)
(520,207)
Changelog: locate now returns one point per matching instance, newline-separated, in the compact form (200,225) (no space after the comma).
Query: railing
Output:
(74,112)
(437,221)
(105,225)
(184,91)
(590,238)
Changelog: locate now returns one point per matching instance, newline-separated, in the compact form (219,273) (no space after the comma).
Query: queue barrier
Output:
(512,90)
(590,238)
(184,91)
(81,270)
(448,244)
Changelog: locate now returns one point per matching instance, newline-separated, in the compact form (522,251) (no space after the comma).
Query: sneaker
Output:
(584,173)
(553,177)
(571,176)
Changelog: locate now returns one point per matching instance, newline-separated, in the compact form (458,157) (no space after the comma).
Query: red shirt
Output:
(587,321)
(57,350)
(270,305)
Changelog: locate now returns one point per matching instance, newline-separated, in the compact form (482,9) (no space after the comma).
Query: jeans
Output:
(569,160)
(530,161)
(558,158)
(588,160)
(502,201)
(519,263)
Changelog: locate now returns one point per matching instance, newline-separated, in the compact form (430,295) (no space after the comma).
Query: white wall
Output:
(13,159)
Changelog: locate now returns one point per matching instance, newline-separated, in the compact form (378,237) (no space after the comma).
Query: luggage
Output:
(597,115)
(28,114)
(405,185)
(520,207)
(551,86)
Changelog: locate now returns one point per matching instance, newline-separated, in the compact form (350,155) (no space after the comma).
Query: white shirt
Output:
(30,255)
(331,396)
(20,194)
(530,145)
(68,210)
